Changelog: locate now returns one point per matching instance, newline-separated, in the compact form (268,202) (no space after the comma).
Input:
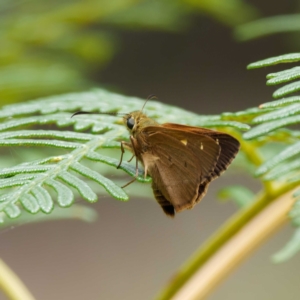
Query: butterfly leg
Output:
(132,148)
(127,146)
(129,160)
(130,182)
(136,167)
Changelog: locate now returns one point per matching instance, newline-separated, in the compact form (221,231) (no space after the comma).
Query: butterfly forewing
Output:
(229,145)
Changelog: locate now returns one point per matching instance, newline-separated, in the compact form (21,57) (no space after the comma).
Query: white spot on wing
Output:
(201,146)
(184,142)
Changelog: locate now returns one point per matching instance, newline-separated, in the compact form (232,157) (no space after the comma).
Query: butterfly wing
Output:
(229,145)
(180,164)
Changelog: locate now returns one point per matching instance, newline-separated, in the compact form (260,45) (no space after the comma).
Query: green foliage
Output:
(58,46)
(283,166)
(82,159)
(286,58)
(272,150)
(77,211)
(241,195)
(40,183)
(268,26)
(290,249)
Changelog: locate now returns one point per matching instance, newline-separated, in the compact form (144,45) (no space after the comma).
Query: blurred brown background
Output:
(133,249)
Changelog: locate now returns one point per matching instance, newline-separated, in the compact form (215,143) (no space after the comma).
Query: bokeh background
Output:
(185,52)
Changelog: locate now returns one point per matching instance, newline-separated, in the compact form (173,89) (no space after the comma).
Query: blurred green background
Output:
(61,46)
(185,53)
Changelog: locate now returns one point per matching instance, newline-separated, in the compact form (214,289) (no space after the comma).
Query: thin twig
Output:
(236,249)
(220,239)
(11,285)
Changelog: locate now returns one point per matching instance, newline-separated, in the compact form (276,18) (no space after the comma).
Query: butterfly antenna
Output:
(98,113)
(152,96)
(80,113)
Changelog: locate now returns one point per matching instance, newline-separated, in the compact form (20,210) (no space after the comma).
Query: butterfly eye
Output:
(130,123)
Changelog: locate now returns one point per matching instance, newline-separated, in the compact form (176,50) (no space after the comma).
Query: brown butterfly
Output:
(182,160)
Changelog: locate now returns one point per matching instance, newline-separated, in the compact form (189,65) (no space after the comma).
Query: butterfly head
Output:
(136,121)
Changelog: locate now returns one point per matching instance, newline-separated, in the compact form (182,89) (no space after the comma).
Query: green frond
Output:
(65,196)
(282,171)
(232,124)
(30,203)
(286,58)
(77,211)
(295,212)
(283,76)
(52,134)
(282,165)
(109,186)
(268,127)
(280,102)
(241,195)
(128,168)
(283,112)
(47,143)
(8,172)
(38,184)
(289,250)
(43,198)
(287,153)
(268,26)
(11,210)
(287,89)
(282,135)
(17,180)
(84,190)
(246,115)
(279,114)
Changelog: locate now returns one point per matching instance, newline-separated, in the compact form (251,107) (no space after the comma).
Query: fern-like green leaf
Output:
(267,26)
(245,115)
(241,195)
(30,203)
(283,76)
(84,190)
(12,210)
(110,187)
(43,198)
(39,183)
(268,127)
(287,153)
(279,114)
(295,212)
(283,171)
(289,250)
(284,165)
(286,58)
(287,89)
(129,169)
(281,102)
(65,196)
(77,211)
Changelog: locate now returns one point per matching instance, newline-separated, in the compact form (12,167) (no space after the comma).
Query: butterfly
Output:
(182,160)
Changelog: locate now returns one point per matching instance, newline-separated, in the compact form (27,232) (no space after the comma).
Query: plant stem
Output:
(218,240)
(11,285)
(236,249)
